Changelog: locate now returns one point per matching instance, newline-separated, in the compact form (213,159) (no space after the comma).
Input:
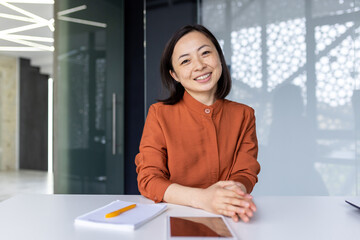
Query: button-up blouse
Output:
(196,145)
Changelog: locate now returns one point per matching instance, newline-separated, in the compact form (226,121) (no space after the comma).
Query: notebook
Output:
(129,220)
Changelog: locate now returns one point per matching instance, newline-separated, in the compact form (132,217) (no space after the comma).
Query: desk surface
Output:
(52,217)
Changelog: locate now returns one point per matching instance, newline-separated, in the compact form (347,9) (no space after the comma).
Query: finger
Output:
(235,218)
(226,209)
(244,217)
(245,211)
(231,194)
(248,212)
(227,213)
(253,206)
(248,196)
(238,202)
(226,195)
(234,210)
(231,198)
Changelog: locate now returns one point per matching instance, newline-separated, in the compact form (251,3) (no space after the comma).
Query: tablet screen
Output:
(199,227)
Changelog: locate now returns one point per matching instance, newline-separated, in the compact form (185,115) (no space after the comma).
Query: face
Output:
(196,64)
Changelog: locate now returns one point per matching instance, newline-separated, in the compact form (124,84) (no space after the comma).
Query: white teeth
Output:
(203,77)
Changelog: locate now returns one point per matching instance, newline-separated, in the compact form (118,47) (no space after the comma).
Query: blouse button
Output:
(207,110)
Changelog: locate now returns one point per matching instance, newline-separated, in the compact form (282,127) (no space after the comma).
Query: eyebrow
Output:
(187,54)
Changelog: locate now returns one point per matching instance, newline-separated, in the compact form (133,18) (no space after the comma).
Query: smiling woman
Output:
(205,39)
(198,69)
(197,148)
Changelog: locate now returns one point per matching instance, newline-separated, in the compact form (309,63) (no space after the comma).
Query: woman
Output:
(197,148)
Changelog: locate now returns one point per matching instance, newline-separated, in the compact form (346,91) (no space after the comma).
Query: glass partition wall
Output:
(297,64)
(88,97)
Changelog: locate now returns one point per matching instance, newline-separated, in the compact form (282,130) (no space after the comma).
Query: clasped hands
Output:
(230,199)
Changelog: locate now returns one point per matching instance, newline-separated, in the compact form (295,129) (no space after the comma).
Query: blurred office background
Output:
(77,78)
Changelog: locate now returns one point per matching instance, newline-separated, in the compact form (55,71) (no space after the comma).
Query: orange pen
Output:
(121,210)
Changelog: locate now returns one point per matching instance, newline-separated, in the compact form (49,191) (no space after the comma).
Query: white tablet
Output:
(185,228)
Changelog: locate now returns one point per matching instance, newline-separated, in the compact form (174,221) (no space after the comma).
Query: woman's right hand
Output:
(227,198)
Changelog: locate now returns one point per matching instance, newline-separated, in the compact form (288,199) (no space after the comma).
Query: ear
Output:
(173,75)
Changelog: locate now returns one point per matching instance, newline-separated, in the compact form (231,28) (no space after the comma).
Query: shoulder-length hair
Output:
(175,88)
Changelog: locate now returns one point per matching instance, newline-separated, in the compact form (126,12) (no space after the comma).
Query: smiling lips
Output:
(203,78)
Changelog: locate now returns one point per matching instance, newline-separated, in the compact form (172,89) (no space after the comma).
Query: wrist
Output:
(196,197)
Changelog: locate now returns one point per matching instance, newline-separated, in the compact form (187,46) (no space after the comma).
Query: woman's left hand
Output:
(248,212)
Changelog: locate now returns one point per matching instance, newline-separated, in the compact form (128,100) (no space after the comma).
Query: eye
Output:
(207,52)
(185,61)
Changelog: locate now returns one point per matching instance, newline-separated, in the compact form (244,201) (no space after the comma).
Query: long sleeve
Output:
(151,161)
(195,145)
(245,167)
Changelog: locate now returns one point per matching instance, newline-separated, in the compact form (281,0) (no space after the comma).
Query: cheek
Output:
(216,63)
(218,67)
(184,74)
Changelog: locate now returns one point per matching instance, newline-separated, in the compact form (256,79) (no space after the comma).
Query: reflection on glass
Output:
(100,89)
(89,124)
(299,70)
(335,66)
(198,227)
(246,48)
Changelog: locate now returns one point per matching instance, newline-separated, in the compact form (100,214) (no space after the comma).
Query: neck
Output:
(206,99)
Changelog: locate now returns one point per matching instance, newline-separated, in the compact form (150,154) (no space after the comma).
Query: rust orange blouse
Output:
(196,145)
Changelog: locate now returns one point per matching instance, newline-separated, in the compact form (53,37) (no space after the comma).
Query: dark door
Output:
(33,141)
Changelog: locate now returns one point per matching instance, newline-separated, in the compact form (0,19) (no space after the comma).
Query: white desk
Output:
(44,217)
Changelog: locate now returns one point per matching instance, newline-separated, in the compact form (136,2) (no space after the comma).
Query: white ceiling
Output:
(20,22)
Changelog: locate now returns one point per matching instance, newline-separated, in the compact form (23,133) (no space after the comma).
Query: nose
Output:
(199,64)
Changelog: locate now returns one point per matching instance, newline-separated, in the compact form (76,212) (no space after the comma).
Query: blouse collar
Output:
(201,108)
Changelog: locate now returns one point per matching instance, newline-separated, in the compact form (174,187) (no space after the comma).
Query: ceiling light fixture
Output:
(26,16)
(26,37)
(82,21)
(51,25)
(27,43)
(23,28)
(18,49)
(61,16)
(15,17)
(30,1)
(24,12)
(71,10)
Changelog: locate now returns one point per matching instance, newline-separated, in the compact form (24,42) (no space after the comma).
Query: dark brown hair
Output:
(175,88)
